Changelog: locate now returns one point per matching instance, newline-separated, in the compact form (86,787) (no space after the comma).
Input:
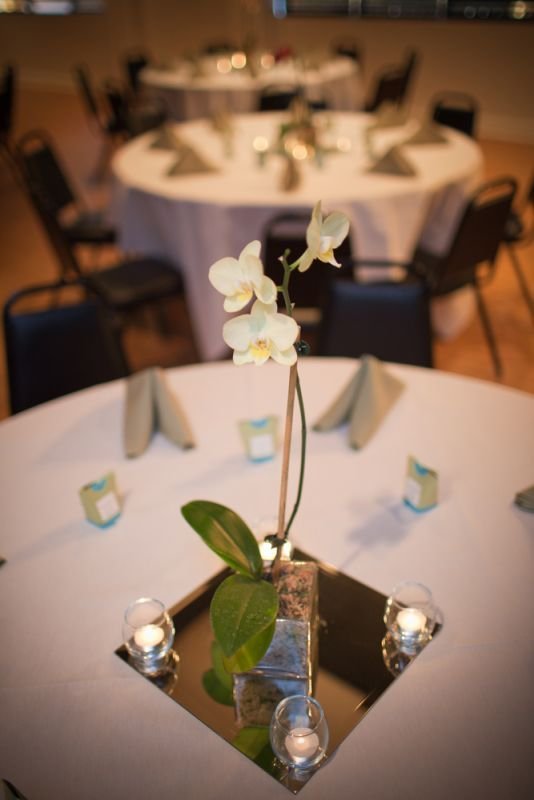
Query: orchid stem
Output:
(302,457)
(287,451)
(294,385)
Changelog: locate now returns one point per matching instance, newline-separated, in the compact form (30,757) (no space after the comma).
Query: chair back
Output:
(287,231)
(393,85)
(82,80)
(388,320)
(478,236)
(57,349)
(7,101)
(44,171)
(529,195)
(456,110)
(408,71)
(117,107)
(277,97)
(133,66)
(350,49)
(44,207)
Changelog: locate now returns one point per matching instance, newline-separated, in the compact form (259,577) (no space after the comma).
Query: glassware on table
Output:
(299,732)
(410,616)
(148,634)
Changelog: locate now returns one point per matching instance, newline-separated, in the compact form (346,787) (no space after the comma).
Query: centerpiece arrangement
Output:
(264,615)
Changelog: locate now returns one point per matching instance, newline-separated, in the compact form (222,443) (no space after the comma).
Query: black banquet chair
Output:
(277,97)
(7,102)
(100,117)
(287,231)
(132,116)
(129,284)
(393,84)
(518,233)
(457,110)
(388,320)
(45,171)
(349,49)
(98,114)
(471,257)
(133,64)
(58,348)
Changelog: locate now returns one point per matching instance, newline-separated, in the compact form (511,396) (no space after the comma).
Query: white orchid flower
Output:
(323,236)
(262,334)
(238,279)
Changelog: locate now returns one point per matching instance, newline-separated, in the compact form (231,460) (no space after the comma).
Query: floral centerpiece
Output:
(246,604)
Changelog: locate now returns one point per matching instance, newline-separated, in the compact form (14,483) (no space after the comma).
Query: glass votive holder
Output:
(299,732)
(148,634)
(410,616)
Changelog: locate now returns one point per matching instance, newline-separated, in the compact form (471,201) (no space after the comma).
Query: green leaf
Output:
(241,609)
(255,743)
(251,652)
(226,534)
(251,740)
(217,659)
(216,690)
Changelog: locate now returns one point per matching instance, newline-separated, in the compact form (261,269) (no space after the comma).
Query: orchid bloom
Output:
(238,279)
(262,334)
(322,236)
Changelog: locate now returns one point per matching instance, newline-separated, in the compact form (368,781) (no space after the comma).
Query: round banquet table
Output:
(79,722)
(189,96)
(195,219)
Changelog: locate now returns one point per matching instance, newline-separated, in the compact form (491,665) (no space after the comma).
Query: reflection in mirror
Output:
(355,668)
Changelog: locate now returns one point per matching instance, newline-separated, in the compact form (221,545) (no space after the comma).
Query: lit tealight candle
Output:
(239,60)
(267,61)
(260,144)
(148,636)
(411,621)
(302,745)
(299,152)
(224,65)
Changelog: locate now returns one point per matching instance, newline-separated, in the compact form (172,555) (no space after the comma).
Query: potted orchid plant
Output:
(245,606)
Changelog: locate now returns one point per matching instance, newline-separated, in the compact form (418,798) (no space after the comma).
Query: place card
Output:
(421,486)
(101,501)
(259,437)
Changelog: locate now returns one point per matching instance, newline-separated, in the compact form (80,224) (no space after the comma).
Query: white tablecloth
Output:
(188,96)
(196,219)
(77,722)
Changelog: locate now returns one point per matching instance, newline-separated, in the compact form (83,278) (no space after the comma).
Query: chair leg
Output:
(488,331)
(521,280)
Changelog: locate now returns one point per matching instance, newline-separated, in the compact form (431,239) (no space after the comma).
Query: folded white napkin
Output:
(525,499)
(389,115)
(393,162)
(150,406)
(189,162)
(427,133)
(166,139)
(363,402)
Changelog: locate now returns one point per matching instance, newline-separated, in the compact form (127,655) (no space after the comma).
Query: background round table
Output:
(336,82)
(195,219)
(78,722)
